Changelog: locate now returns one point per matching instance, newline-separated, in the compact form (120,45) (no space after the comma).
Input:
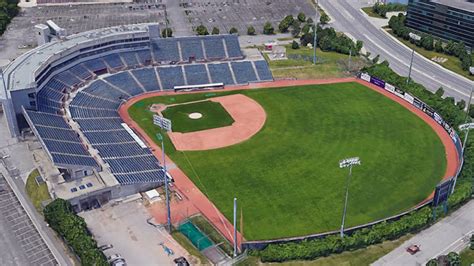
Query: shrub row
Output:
(382,9)
(330,40)
(73,229)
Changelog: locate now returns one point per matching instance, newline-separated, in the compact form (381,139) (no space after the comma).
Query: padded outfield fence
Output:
(419,104)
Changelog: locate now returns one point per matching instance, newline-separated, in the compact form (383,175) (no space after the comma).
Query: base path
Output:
(185,186)
(249,117)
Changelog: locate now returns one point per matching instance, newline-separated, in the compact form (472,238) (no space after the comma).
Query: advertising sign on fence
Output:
(378,82)
(389,87)
(418,104)
(409,98)
(365,77)
(399,93)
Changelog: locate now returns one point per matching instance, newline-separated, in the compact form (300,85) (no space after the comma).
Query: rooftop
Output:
(460,4)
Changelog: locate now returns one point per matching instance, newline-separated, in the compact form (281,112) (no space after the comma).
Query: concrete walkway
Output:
(450,234)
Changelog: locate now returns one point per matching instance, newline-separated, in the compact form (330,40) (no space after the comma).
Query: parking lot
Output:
(20,244)
(125,226)
(242,13)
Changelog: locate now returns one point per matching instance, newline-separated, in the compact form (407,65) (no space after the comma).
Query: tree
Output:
(454,259)
(466,60)
(471,245)
(295,28)
(306,28)
(268,28)
(450,47)
(432,262)
(459,48)
(376,59)
(302,17)
(251,30)
(166,33)
(439,46)
(202,30)
(427,42)
(440,92)
(471,114)
(233,30)
(309,21)
(215,31)
(461,104)
(324,19)
(285,24)
(295,45)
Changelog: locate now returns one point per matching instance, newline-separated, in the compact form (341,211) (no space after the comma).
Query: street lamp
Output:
(349,162)
(168,210)
(417,38)
(314,42)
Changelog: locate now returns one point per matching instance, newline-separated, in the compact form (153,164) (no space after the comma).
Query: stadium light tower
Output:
(315,38)
(168,210)
(414,37)
(349,162)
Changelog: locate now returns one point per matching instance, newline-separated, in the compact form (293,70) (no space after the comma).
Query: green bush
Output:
(215,31)
(295,45)
(285,23)
(268,28)
(8,10)
(251,30)
(233,30)
(382,9)
(167,32)
(60,217)
(330,40)
(202,30)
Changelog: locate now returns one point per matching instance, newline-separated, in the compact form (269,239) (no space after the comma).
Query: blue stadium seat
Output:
(214,47)
(170,77)
(191,47)
(125,82)
(263,71)
(80,72)
(84,99)
(103,90)
(196,74)
(95,65)
(233,46)
(147,78)
(113,61)
(166,50)
(68,79)
(220,73)
(144,56)
(244,72)
(107,124)
(130,59)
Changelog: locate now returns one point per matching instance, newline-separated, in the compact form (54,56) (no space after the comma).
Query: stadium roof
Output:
(460,4)
(20,73)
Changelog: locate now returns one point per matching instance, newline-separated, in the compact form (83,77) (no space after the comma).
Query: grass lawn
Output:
(213,116)
(37,194)
(329,65)
(287,178)
(453,63)
(467,257)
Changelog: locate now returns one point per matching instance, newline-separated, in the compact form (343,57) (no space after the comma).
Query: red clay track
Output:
(199,201)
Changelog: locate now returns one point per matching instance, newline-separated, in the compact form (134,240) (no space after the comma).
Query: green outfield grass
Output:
(287,177)
(213,116)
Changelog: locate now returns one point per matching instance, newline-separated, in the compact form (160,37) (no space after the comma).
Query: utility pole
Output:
(315,38)
(350,55)
(344,164)
(417,38)
(235,227)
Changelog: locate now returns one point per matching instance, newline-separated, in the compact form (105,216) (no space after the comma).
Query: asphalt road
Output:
(348,18)
(450,234)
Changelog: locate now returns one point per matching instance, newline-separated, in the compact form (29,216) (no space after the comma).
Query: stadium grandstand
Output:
(67,92)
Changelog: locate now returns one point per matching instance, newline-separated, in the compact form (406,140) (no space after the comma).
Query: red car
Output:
(413,249)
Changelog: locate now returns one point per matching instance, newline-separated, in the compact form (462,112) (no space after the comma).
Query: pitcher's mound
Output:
(195,115)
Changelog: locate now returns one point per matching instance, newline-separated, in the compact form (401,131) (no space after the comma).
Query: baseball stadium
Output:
(91,99)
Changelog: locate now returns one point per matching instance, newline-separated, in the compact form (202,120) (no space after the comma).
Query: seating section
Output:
(130,59)
(147,77)
(263,70)
(196,74)
(170,77)
(233,46)
(244,72)
(125,82)
(221,73)
(191,48)
(60,140)
(214,47)
(113,61)
(166,50)
(94,107)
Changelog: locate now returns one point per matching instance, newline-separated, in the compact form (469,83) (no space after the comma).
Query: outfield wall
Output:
(417,103)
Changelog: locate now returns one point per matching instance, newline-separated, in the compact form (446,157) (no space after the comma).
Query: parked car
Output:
(181,261)
(105,247)
(114,257)
(118,262)
(413,249)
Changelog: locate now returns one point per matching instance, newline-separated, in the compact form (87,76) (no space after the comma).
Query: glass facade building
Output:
(446,19)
